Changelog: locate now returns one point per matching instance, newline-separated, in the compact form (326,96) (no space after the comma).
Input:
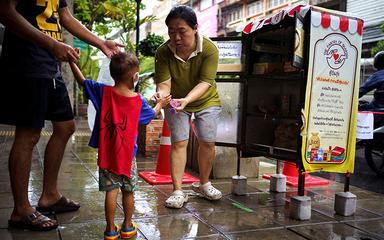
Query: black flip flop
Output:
(33,222)
(61,206)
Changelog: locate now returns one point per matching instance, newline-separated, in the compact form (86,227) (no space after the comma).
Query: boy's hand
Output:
(164,101)
(64,52)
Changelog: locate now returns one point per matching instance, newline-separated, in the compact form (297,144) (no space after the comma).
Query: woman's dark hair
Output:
(121,63)
(184,12)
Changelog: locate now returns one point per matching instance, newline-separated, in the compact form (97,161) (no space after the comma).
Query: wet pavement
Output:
(258,215)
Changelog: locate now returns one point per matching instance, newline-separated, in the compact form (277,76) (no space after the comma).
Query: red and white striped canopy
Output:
(324,19)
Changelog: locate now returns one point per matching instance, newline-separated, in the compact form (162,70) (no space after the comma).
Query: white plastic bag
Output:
(104,77)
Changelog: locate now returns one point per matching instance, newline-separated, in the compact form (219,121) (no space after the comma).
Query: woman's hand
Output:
(182,103)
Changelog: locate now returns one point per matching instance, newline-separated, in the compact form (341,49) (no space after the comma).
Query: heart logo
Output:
(336,56)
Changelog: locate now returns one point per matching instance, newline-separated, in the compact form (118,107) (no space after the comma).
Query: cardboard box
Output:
(267,68)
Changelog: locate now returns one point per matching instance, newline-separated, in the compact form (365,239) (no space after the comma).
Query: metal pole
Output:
(137,26)
(346,183)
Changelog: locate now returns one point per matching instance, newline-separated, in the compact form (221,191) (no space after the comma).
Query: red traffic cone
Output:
(292,175)
(162,174)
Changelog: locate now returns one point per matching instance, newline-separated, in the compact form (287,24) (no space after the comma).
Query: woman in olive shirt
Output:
(186,67)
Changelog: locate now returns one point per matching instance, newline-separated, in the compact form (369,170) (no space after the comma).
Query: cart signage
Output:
(331,94)
(229,55)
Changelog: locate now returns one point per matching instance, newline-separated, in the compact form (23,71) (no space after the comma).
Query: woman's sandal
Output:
(35,222)
(112,235)
(126,233)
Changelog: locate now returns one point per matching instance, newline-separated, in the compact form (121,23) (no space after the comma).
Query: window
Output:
(255,7)
(204,4)
(275,3)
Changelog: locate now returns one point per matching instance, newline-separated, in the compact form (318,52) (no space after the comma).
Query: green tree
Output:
(380,45)
(149,45)
(103,16)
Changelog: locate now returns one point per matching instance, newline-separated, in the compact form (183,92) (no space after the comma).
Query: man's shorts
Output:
(109,181)
(204,124)
(31,101)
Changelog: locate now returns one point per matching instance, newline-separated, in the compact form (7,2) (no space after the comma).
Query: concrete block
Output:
(278,183)
(345,203)
(300,208)
(239,185)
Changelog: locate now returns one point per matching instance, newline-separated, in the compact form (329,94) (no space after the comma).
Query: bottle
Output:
(329,154)
(320,154)
(309,149)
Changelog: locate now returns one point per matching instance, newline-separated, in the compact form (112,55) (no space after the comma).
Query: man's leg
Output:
(53,157)
(205,157)
(19,166)
(178,161)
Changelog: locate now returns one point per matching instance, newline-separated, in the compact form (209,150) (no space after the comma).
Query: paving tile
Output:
(76,170)
(211,237)
(261,199)
(5,213)
(375,227)
(92,207)
(179,226)
(6,199)
(146,192)
(25,234)
(316,198)
(235,221)
(373,205)
(281,216)
(88,230)
(145,208)
(198,204)
(328,210)
(270,234)
(331,231)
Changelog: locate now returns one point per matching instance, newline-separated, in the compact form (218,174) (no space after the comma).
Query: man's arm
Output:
(77,29)
(21,27)
(370,84)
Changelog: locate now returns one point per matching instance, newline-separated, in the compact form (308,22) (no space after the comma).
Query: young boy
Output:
(119,110)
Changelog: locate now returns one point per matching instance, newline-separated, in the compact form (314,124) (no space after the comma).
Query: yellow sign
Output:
(330,112)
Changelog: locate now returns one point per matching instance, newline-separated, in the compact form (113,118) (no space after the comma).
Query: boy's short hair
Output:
(121,63)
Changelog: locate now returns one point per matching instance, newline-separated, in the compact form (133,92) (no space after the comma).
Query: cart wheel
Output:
(375,157)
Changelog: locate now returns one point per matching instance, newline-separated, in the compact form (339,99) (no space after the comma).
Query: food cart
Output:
(296,91)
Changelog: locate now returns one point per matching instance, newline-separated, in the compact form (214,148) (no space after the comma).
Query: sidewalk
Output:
(258,215)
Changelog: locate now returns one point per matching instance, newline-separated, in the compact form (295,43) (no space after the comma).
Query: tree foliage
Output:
(380,45)
(105,16)
(149,45)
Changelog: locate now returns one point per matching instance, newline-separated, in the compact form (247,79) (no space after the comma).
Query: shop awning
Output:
(278,17)
(323,18)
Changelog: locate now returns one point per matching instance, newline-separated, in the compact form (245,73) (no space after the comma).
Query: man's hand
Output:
(109,48)
(64,52)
